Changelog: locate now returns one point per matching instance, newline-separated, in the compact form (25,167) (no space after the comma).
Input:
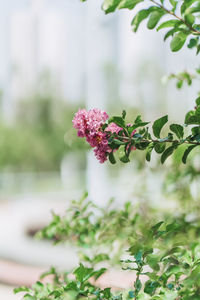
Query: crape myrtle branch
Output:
(113,136)
(132,139)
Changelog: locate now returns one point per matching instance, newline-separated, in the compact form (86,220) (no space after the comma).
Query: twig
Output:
(194,31)
(129,139)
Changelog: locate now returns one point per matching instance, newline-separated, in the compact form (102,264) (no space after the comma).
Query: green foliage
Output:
(65,288)
(178,41)
(163,256)
(178,130)
(137,136)
(182,23)
(185,76)
(35,140)
(81,228)
(158,125)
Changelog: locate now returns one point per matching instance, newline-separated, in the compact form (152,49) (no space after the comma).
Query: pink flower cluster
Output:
(89,122)
(89,125)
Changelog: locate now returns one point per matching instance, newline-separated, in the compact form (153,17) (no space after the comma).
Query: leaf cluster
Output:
(163,257)
(179,18)
(64,288)
(128,138)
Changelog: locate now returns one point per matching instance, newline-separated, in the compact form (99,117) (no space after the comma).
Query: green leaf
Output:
(98,273)
(187,152)
(107,293)
(142,146)
(170,23)
(122,155)
(190,19)
(188,116)
(149,151)
(138,256)
(100,257)
(197,112)
(186,4)
(198,49)
(137,125)
(160,147)
(130,4)
(123,114)
(112,158)
(118,142)
(82,273)
(178,41)
(172,227)
(117,120)
(52,271)
(124,159)
(138,285)
(179,84)
(173,269)
(195,130)
(38,286)
(21,289)
(170,33)
(173,2)
(138,119)
(178,130)
(192,43)
(197,101)
(193,9)
(156,226)
(154,19)
(110,5)
(167,153)
(152,260)
(158,125)
(192,118)
(140,16)
(150,287)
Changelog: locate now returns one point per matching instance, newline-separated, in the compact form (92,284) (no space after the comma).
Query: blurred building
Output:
(85,52)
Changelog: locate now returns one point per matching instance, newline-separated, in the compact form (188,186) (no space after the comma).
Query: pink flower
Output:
(100,154)
(80,122)
(95,139)
(112,127)
(89,123)
(95,119)
(102,149)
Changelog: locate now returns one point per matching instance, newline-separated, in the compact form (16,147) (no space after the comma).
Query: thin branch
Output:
(129,139)
(194,31)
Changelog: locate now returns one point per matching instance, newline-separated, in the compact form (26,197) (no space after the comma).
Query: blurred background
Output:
(55,57)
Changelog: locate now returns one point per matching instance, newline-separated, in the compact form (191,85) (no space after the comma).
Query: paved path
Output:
(19,216)
(6,293)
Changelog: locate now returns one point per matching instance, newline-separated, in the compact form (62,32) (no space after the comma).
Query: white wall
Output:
(75,42)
